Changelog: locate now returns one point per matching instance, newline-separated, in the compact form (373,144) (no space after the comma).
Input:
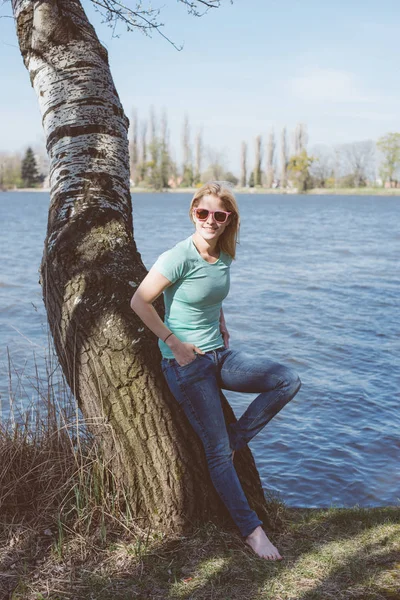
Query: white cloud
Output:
(369,115)
(329,86)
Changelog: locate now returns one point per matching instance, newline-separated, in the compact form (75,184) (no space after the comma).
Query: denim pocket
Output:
(181,367)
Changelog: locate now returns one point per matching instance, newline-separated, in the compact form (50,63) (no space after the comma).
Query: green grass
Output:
(329,554)
(362,191)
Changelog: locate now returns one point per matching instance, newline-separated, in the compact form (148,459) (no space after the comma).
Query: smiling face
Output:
(214,196)
(209,229)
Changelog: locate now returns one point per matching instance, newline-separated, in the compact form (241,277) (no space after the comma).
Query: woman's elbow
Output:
(138,303)
(134,302)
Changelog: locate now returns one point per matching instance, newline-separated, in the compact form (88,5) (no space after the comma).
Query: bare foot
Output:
(261,545)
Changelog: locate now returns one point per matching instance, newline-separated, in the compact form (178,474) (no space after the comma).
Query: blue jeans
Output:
(196,388)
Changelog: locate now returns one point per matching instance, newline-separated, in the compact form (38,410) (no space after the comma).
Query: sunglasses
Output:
(220,216)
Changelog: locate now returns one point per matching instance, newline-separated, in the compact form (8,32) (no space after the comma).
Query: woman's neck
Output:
(206,248)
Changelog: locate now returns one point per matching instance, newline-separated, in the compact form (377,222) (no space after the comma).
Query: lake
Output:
(315,285)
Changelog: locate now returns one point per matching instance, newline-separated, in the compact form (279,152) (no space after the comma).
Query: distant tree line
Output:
(278,163)
(27,171)
(153,163)
(349,165)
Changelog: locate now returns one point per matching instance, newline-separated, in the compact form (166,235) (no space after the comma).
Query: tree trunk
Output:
(90,269)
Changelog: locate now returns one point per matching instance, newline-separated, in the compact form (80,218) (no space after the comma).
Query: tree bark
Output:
(91,267)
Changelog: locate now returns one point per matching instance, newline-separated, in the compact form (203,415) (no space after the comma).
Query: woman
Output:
(197,360)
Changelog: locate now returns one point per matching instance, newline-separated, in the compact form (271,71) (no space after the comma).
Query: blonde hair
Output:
(228,240)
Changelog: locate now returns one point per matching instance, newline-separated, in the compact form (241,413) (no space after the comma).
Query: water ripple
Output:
(316,286)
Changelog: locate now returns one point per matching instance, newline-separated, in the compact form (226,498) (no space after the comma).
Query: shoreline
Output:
(256,191)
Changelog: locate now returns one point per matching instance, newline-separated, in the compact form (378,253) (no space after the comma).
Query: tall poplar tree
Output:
(134,150)
(284,159)
(300,138)
(187,167)
(243,165)
(258,161)
(165,160)
(143,152)
(154,175)
(270,160)
(199,157)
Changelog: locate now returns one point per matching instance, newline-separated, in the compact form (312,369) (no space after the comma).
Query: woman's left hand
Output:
(225,336)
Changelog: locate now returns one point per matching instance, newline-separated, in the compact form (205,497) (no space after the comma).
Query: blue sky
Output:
(245,68)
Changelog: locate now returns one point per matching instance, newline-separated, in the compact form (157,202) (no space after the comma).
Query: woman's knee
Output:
(289,379)
(294,381)
(218,451)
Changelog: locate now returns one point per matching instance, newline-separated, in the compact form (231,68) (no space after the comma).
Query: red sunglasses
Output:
(220,216)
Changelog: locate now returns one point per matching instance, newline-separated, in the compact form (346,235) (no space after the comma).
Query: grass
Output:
(66,531)
(329,554)
(361,191)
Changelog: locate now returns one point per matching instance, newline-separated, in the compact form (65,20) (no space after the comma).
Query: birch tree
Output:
(91,267)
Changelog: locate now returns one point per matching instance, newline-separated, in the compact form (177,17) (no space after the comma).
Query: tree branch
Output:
(4,3)
(192,6)
(146,19)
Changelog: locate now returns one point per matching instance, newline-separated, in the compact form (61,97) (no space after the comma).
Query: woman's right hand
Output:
(184,352)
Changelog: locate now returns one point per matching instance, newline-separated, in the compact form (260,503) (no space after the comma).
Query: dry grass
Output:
(48,459)
(66,531)
(56,490)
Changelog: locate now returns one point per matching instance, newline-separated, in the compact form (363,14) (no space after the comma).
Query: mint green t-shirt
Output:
(193,301)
